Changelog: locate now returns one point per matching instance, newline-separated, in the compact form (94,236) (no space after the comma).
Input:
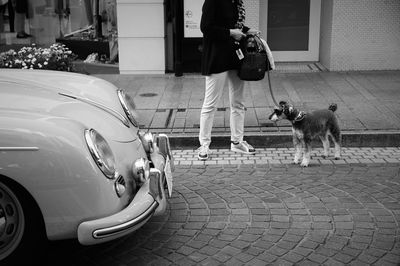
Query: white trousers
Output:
(214,87)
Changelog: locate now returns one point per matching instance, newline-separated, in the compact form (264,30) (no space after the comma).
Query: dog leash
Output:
(270,90)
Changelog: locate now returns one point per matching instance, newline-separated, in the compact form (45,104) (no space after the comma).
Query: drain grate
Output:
(148,94)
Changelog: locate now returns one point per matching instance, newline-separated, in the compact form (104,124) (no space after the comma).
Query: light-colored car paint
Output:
(42,147)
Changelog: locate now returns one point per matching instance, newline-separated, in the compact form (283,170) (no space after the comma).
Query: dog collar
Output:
(299,117)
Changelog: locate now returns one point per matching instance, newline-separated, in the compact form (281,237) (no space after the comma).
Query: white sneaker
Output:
(243,147)
(203,152)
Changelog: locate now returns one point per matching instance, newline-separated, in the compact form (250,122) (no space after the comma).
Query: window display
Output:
(84,26)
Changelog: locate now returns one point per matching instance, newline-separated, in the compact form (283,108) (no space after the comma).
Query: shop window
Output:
(85,26)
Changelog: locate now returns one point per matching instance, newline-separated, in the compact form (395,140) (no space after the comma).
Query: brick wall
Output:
(252,13)
(360,34)
(325,44)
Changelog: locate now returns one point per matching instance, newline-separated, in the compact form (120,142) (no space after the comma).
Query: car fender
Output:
(72,187)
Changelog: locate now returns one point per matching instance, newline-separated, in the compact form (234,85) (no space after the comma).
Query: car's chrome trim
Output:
(127,111)
(110,231)
(19,148)
(120,186)
(123,119)
(101,163)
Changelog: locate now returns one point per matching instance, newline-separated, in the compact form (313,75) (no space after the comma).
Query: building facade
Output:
(360,35)
(163,36)
(342,35)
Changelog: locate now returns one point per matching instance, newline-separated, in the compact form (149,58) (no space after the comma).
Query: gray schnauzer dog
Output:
(308,126)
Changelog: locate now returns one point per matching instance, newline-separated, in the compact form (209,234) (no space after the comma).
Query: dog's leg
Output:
(307,153)
(336,137)
(298,148)
(325,143)
(337,141)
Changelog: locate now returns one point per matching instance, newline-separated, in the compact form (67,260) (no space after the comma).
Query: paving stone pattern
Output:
(264,214)
(286,155)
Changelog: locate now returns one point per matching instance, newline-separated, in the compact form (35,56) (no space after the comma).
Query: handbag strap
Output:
(259,45)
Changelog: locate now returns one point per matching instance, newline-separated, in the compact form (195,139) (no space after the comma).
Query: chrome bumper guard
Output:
(136,214)
(161,175)
(150,200)
(165,148)
(108,232)
(159,151)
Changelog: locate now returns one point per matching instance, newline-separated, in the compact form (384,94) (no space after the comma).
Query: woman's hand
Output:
(236,34)
(253,32)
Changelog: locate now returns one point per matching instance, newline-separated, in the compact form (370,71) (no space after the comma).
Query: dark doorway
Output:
(183,53)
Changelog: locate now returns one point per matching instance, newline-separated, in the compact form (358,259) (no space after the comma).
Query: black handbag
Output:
(255,61)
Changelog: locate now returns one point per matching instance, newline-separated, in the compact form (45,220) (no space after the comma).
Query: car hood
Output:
(88,100)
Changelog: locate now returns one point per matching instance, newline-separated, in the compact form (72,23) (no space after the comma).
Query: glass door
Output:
(293,29)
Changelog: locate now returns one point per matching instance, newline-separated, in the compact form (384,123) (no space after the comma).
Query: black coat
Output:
(219,49)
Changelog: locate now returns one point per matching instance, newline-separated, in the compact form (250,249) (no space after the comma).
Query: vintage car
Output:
(73,162)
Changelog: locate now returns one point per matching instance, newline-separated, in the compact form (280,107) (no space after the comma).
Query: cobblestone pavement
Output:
(231,213)
(286,155)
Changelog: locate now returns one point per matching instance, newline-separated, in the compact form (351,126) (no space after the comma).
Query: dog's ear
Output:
(282,103)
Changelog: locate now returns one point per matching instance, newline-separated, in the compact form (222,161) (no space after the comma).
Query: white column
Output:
(141,36)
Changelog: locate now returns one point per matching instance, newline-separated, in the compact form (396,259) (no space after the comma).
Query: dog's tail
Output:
(332,107)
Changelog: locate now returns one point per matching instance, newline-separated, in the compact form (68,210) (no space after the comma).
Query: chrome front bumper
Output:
(149,200)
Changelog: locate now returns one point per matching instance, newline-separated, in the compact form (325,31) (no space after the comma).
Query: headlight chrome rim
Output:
(123,98)
(101,153)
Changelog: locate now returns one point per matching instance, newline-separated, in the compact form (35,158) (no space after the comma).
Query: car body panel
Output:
(85,86)
(42,148)
(54,150)
(43,98)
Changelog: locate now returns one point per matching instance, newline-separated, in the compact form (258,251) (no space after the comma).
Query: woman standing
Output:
(222,25)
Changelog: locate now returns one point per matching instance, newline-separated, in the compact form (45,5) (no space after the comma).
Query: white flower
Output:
(45,63)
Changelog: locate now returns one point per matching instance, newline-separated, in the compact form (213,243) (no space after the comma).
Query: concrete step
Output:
(284,140)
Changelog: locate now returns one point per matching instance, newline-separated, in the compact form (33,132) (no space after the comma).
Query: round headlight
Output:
(129,107)
(101,153)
